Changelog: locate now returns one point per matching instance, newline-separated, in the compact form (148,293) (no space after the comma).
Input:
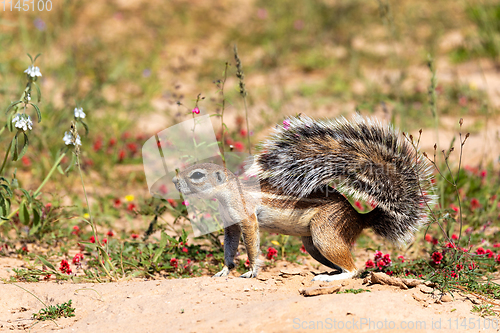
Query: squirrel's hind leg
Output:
(231,241)
(330,248)
(314,252)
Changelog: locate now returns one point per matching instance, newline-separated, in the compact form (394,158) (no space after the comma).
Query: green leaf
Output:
(25,146)
(73,161)
(39,54)
(61,171)
(38,112)
(27,195)
(48,264)
(14,148)
(12,105)
(38,93)
(36,225)
(31,58)
(24,214)
(86,128)
(163,243)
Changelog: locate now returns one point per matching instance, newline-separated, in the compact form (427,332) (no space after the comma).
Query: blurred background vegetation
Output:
(136,67)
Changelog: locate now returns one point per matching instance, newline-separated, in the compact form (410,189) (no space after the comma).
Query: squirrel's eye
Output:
(197,175)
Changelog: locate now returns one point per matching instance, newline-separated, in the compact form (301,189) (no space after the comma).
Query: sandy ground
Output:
(270,303)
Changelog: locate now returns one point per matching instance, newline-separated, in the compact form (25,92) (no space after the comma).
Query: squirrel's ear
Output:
(220,177)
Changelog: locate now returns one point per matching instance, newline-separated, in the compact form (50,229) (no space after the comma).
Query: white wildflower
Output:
(22,121)
(28,97)
(68,139)
(79,113)
(33,71)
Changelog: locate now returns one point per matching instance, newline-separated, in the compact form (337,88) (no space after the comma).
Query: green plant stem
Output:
(54,167)
(92,225)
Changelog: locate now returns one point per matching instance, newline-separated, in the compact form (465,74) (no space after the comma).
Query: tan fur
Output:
(325,220)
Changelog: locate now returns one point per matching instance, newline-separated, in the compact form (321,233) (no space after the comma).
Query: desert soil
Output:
(270,303)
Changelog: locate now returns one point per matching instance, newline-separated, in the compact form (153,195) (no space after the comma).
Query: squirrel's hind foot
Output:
(336,277)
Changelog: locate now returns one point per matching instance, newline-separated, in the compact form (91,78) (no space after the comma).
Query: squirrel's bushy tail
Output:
(362,158)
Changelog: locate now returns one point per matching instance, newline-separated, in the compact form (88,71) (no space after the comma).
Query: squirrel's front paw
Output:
(223,272)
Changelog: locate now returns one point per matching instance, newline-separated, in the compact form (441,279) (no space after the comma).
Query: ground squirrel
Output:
(298,168)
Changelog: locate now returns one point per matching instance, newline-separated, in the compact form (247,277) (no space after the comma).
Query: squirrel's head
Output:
(202,180)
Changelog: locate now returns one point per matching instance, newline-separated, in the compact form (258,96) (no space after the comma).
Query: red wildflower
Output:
(454,237)
(65,267)
(239,146)
(303,249)
(474,204)
(46,277)
(26,161)
(121,155)
(489,253)
(378,255)
(480,251)
(174,262)
(450,246)
(428,238)
(110,233)
(459,267)
(473,266)
(359,205)
(104,240)
(172,202)
(453,274)
(437,257)
(209,255)
(131,206)
(112,142)
(381,264)
(184,249)
(401,258)
(498,259)
(483,173)
(196,110)
(387,259)
(369,264)
(117,203)
(389,273)
(134,236)
(247,263)
(132,147)
(496,245)
(24,249)
(92,239)
(243,132)
(97,144)
(77,258)
(271,253)
(126,135)
(455,208)
(434,241)
(76,230)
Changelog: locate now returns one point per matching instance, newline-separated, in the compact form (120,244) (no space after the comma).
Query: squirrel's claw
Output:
(249,274)
(223,272)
